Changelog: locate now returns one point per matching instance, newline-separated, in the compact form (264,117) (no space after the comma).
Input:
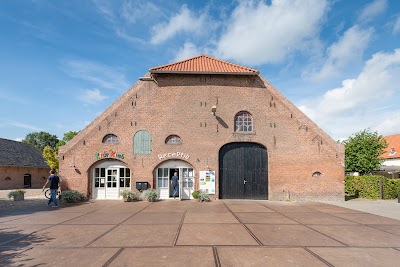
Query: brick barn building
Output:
(21,165)
(222,127)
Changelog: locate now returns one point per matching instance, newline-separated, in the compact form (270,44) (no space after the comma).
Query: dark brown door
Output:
(243,171)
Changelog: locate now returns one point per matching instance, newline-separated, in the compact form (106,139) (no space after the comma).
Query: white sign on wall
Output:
(207,181)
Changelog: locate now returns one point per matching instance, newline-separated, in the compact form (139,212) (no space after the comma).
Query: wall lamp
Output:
(213,110)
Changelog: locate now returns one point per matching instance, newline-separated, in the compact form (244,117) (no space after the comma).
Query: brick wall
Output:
(13,177)
(181,105)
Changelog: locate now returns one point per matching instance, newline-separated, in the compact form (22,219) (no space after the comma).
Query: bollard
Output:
(398,199)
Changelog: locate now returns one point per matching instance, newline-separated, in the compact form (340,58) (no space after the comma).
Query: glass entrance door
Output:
(187,184)
(164,173)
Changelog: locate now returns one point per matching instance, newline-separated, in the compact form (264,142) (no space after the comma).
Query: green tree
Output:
(41,140)
(67,137)
(50,155)
(363,151)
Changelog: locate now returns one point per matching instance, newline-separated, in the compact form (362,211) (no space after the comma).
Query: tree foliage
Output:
(67,137)
(50,154)
(41,140)
(363,151)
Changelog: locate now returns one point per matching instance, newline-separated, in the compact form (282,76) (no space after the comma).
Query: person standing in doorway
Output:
(55,182)
(175,180)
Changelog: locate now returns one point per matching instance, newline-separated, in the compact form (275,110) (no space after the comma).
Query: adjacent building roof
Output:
(204,64)
(18,154)
(393,149)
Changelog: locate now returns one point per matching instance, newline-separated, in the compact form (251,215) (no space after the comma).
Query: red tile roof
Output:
(204,64)
(393,142)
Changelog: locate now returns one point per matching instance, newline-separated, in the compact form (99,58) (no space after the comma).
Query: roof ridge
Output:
(204,64)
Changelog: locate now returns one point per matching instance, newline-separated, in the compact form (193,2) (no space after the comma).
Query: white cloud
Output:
(357,102)
(187,51)
(98,74)
(185,21)
(259,33)
(347,51)
(396,27)
(372,10)
(92,96)
(389,125)
(132,11)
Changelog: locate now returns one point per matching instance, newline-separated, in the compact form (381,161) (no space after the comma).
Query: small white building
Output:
(391,165)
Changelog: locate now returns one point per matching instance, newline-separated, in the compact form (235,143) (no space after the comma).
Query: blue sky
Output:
(64,62)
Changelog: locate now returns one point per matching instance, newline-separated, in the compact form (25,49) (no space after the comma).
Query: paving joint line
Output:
(180,227)
(216,257)
(118,224)
(12,256)
(245,227)
(318,257)
(110,260)
(305,225)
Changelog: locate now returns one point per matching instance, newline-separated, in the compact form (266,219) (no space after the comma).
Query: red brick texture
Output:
(181,105)
(13,177)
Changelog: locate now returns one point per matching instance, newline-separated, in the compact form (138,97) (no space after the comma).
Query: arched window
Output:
(243,122)
(142,143)
(173,140)
(110,138)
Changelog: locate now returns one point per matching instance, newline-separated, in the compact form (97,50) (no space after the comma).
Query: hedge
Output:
(367,186)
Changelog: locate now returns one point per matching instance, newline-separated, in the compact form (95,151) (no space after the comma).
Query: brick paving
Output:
(188,233)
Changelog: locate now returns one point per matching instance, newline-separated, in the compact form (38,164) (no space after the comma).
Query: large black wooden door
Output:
(243,171)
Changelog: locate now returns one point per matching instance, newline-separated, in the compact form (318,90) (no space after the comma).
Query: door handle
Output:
(244,181)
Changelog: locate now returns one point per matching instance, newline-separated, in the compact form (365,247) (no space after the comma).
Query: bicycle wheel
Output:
(47,194)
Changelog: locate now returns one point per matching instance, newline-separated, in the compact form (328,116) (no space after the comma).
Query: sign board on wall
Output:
(207,181)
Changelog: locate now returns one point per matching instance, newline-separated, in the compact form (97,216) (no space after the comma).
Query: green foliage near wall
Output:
(367,186)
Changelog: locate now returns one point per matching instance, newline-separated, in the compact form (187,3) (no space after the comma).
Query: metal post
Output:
(380,189)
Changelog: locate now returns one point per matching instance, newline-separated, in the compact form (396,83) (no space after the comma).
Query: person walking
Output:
(55,182)
(175,180)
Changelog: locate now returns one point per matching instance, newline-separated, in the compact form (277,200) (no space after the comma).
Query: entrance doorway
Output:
(109,178)
(243,171)
(164,173)
(27,181)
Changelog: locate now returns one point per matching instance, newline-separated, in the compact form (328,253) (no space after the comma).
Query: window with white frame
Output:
(110,138)
(173,140)
(243,122)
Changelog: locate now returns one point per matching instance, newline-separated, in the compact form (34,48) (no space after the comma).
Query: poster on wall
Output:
(207,181)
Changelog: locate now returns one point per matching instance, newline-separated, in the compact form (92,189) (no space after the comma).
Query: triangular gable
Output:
(204,64)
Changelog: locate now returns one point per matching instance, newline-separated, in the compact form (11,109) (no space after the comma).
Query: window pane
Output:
(166,172)
(166,180)
(121,172)
(102,172)
(121,182)
(127,172)
(96,172)
(243,122)
(159,182)
(160,172)
(96,182)
(127,182)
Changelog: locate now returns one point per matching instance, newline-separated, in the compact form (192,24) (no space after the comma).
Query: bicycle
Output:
(47,193)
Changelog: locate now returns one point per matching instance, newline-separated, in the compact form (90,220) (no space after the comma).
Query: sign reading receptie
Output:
(173,155)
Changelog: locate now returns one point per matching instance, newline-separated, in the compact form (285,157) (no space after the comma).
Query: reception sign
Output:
(207,181)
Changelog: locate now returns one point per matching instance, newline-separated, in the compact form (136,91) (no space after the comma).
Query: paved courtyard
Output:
(188,233)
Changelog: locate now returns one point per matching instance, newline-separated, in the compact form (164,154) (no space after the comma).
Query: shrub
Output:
(71,196)
(203,196)
(368,187)
(196,194)
(149,195)
(128,195)
(14,193)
